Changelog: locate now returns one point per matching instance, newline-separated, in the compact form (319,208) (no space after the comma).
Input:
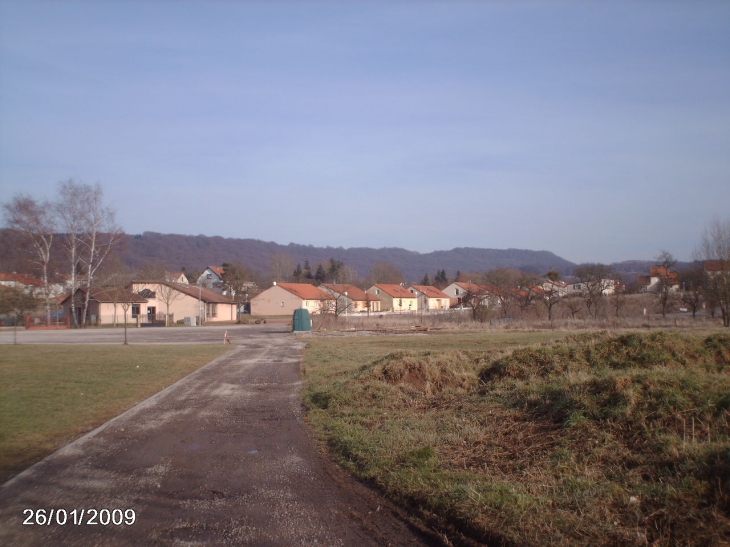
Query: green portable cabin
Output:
(301,320)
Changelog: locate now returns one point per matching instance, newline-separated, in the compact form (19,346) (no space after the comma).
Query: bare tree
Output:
(237,278)
(550,298)
(16,302)
(153,270)
(528,289)
(116,280)
(667,279)
(282,266)
(503,281)
(165,290)
(574,305)
(595,279)
(69,208)
(714,251)
(385,272)
(618,299)
(35,222)
(100,235)
(692,282)
(476,297)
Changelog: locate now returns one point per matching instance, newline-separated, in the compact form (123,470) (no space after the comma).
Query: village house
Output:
(653,282)
(353,298)
(212,278)
(177,277)
(394,297)
(554,288)
(106,307)
(430,298)
(608,287)
(184,301)
(284,298)
(25,282)
(458,291)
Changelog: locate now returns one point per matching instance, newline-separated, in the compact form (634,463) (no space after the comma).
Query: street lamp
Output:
(200,298)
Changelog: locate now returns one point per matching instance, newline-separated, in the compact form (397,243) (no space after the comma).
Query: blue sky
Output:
(599,131)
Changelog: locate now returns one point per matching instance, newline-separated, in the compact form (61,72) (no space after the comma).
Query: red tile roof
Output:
(716,266)
(430,291)
(206,295)
(661,271)
(305,291)
(21,278)
(353,292)
(219,271)
(101,295)
(395,291)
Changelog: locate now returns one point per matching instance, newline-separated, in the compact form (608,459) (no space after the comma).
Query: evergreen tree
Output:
(320,276)
(307,271)
(298,273)
(425,280)
(335,270)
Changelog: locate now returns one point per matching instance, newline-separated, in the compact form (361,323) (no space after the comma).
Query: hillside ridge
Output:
(197,252)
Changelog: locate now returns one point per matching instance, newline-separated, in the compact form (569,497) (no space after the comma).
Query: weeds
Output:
(602,439)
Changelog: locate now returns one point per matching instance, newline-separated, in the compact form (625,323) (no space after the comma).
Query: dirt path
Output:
(220,458)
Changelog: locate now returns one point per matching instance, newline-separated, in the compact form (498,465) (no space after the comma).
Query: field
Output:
(535,438)
(50,395)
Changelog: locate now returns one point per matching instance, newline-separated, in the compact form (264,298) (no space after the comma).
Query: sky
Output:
(599,131)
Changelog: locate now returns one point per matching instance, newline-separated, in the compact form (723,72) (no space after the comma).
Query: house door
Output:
(151,313)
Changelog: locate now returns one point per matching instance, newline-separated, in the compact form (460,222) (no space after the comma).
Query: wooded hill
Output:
(197,252)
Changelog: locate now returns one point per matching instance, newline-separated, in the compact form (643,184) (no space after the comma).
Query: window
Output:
(457,292)
(209,276)
(282,304)
(135,310)
(377,292)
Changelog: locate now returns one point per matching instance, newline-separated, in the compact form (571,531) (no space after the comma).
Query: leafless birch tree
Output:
(34,222)
(101,234)
(714,251)
(69,208)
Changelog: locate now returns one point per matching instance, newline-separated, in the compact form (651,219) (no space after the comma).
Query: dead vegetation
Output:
(602,439)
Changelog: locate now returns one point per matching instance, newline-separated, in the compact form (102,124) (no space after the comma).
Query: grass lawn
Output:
(535,438)
(50,395)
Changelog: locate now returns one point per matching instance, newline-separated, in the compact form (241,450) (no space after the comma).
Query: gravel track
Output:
(221,457)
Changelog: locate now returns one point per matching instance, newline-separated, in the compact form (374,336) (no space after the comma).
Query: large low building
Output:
(284,298)
(106,307)
(185,301)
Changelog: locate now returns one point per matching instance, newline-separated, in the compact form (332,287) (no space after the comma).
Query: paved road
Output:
(219,458)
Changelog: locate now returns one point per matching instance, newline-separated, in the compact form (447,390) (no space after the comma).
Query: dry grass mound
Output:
(601,439)
(427,372)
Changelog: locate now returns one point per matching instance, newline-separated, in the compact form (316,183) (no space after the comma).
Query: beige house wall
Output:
(185,305)
(362,306)
(276,301)
(434,303)
(390,303)
(105,313)
(386,301)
